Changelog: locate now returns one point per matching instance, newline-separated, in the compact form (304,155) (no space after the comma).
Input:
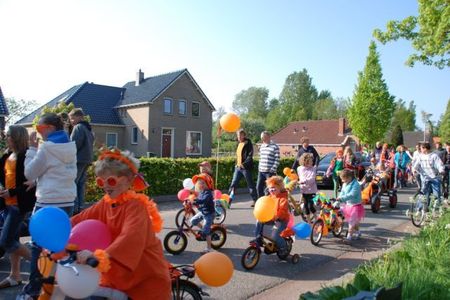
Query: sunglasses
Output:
(111,181)
(41,127)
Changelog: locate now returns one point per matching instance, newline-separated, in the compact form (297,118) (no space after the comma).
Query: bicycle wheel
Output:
(337,229)
(317,232)
(375,204)
(218,237)
(175,242)
(185,291)
(221,214)
(418,209)
(182,213)
(283,256)
(393,200)
(250,258)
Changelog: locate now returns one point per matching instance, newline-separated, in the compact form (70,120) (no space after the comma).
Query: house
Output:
(411,138)
(3,113)
(166,115)
(325,135)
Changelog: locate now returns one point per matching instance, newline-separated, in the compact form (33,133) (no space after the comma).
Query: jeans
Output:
(309,203)
(261,182)
(399,181)
(247,174)
(276,231)
(337,184)
(33,288)
(208,221)
(432,185)
(9,236)
(80,181)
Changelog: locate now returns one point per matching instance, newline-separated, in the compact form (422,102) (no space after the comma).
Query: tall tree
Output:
(444,130)
(428,32)
(252,103)
(397,135)
(325,109)
(404,116)
(19,109)
(372,106)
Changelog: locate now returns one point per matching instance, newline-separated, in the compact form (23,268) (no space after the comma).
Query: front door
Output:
(166,142)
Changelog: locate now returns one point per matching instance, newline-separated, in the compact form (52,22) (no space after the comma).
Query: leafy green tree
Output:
(61,107)
(252,103)
(372,106)
(219,113)
(325,109)
(325,94)
(397,135)
(428,32)
(19,109)
(404,116)
(342,105)
(444,130)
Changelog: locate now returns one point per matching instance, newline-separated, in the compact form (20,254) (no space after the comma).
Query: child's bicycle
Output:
(330,219)
(175,242)
(189,210)
(419,210)
(252,254)
(182,287)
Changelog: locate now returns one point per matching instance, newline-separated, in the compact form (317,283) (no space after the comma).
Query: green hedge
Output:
(166,175)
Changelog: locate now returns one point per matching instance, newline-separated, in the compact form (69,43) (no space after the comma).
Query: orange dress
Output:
(138,266)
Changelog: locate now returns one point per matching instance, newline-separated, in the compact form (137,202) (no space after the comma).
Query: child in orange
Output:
(138,267)
(206,169)
(277,191)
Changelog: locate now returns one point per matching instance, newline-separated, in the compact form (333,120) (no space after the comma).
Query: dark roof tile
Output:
(3,107)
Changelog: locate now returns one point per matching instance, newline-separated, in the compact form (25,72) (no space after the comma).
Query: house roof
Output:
(151,87)
(411,138)
(97,101)
(319,132)
(3,108)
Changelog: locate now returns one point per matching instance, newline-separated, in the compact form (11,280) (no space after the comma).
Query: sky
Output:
(228,46)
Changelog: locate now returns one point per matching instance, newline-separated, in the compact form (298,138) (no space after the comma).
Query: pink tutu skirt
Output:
(353,213)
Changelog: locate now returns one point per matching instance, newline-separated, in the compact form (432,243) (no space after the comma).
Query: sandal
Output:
(9,282)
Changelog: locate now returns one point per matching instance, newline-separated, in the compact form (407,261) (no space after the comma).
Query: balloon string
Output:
(217,160)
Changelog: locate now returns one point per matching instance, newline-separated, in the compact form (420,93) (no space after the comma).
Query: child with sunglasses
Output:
(138,267)
(277,191)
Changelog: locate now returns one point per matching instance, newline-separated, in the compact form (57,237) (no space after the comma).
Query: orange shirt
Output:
(239,154)
(10,179)
(282,206)
(138,266)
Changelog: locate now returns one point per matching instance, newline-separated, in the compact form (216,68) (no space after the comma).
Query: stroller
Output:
(375,186)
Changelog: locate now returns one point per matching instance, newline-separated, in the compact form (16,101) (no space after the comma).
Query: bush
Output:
(166,175)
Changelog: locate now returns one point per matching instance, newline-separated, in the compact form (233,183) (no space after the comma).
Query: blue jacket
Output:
(351,193)
(205,200)
(404,160)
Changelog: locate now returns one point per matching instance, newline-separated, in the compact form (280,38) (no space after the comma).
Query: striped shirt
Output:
(269,158)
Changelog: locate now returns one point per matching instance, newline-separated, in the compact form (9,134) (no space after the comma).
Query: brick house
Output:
(325,135)
(166,115)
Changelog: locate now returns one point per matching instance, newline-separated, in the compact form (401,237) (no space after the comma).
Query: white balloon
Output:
(188,184)
(77,286)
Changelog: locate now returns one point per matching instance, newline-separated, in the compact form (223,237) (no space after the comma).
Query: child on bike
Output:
(277,191)
(336,166)
(353,209)
(138,267)
(206,169)
(206,210)
(307,179)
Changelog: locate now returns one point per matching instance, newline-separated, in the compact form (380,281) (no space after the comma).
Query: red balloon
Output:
(90,235)
(183,194)
(217,194)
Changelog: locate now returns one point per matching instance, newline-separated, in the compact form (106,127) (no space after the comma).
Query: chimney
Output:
(139,77)
(341,129)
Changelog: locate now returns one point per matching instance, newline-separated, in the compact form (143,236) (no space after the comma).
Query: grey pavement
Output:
(271,277)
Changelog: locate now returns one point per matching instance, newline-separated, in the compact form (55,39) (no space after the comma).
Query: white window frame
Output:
(200,146)
(134,142)
(185,107)
(171,106)
(106,139)
(192,111)
(172,140)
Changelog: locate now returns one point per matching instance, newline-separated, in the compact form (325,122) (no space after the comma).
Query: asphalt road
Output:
(377,229)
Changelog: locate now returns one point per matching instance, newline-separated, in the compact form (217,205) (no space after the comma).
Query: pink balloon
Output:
(291,221)
(90,235)
(217,194)
(183,194)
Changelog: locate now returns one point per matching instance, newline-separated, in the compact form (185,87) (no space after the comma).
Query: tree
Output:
(428,33)
(444,130)
(325,109)
(403,116)
(372,106)
(397,136)
(18,109)
(252,103)
(219,113)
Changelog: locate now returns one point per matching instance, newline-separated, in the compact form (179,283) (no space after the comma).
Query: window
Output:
(193,143)
(195,109)
(168,106)
(134,135)
(182,107)
(111,139)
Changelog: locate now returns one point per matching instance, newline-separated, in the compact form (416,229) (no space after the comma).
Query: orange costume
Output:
(138,267)
(282,206)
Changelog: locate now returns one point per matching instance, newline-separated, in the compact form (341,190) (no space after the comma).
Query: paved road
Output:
(378,230)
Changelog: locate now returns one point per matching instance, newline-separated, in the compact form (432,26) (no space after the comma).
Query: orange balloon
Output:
(293,176)
(287,171)
(214,268)
(265,209)
(45,265)
(230,122)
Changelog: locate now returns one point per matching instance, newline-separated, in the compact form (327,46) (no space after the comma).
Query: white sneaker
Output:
(358,235)
(349,237)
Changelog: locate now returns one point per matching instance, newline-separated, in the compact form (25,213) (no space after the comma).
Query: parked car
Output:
(327,182)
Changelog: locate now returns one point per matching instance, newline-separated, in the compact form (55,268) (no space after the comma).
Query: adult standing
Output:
(440,151)
(447,169)
(305,148)
(401,160)
(376,153)
(19,197)
(84,139)
(415,158)
(269,159)
(244,164)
